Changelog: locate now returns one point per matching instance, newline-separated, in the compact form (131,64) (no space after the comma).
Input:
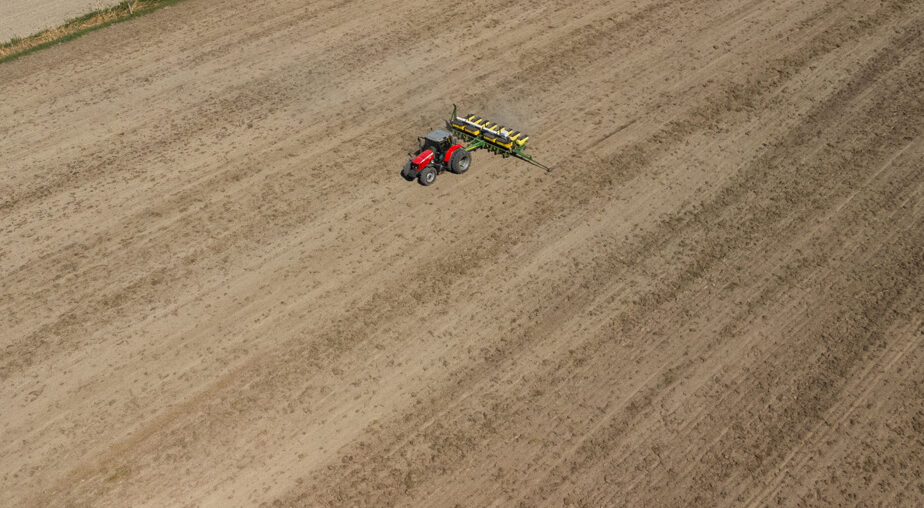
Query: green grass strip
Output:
(82,25)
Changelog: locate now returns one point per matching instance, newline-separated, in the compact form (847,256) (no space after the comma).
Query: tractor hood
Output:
(423,159)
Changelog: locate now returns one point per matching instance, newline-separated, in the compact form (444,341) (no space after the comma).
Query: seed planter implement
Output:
(492,136)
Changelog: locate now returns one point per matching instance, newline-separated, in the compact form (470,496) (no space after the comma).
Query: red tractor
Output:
(436,152)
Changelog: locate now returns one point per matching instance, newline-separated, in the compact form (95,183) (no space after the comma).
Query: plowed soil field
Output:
(216,289)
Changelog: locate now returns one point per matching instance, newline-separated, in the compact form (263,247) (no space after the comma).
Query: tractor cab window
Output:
(431,144)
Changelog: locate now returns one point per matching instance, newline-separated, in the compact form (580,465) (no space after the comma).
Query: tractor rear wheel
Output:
(460,161)
(427,175)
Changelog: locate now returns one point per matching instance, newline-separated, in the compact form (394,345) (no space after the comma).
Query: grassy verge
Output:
(74,28)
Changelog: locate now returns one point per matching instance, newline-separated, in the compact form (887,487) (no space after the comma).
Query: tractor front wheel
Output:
(460,161)
(427,175)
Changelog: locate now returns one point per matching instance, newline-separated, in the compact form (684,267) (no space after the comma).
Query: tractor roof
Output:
(438,135)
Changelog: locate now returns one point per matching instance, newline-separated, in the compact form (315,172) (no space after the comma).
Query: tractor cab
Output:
(437,140)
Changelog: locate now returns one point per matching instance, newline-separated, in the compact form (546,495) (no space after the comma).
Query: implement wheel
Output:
(460,161)
(427,175)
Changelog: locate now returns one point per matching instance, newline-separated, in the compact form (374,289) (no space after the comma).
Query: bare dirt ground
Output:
(19,18)
(217,289)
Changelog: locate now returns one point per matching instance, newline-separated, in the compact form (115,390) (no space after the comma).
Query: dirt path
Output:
(217,290)
(19,18)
